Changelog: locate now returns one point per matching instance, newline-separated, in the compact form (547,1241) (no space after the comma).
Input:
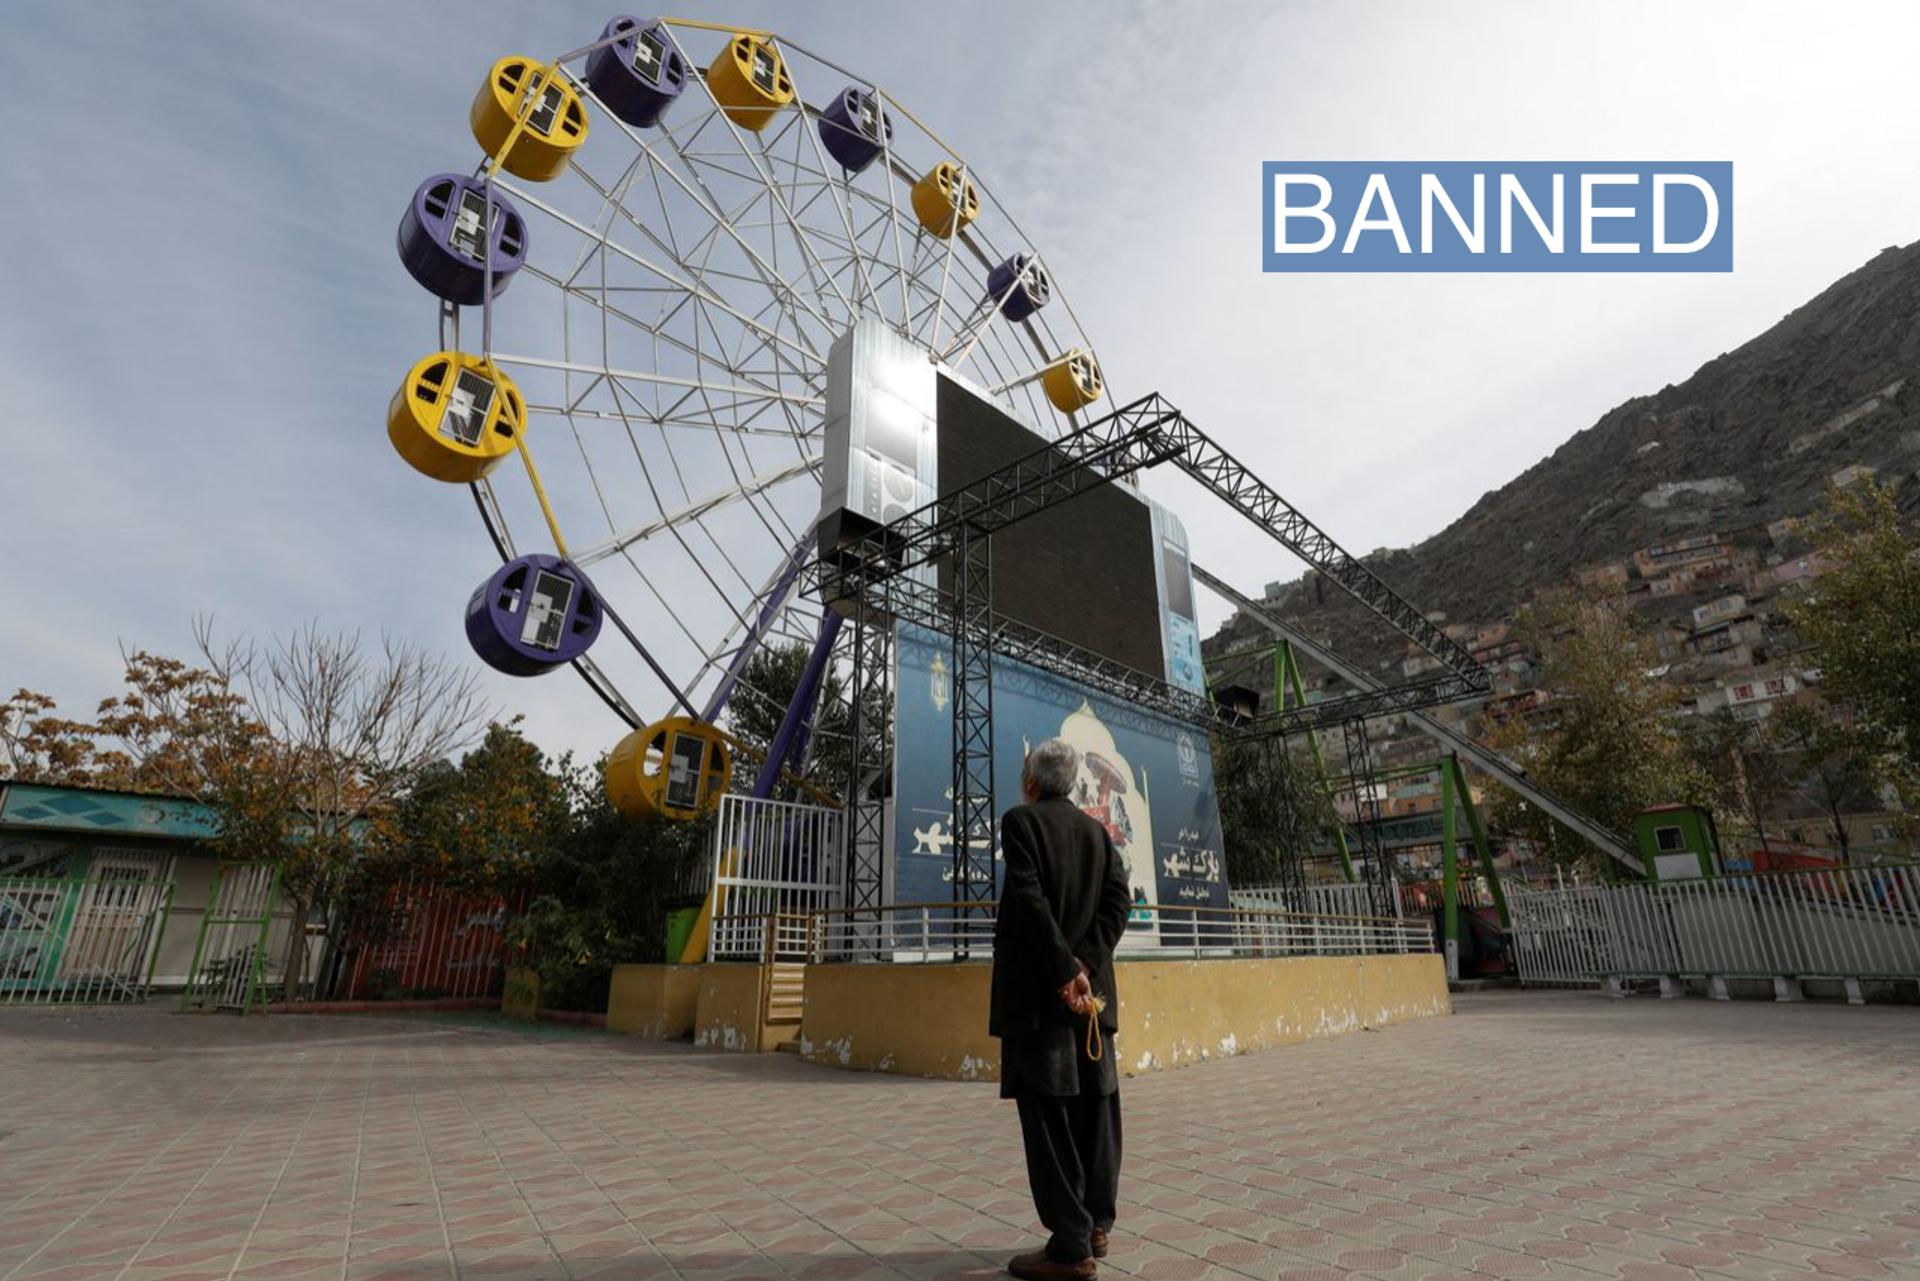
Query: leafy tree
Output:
(1273,810)
(759,704)
(39,746)
(486,823)
(1862,615)
(1609,741)
(1743,769)
(484,826)
(606,889)
(1834,762)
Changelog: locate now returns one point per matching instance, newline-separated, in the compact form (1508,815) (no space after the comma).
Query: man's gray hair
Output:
(1054,767)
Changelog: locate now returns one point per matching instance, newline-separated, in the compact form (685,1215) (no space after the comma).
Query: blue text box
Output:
(1356,215)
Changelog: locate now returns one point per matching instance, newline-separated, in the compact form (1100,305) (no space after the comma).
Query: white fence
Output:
(945,931)
(771,859)
(1338,899)
(83,941)
(1847,923)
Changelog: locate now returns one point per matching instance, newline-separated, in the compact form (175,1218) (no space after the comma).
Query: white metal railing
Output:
(771,858)
(1339,899)
(946,931)
(65,941)
(1855,922)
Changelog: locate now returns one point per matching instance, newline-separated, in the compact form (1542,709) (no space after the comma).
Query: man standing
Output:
(1063,907)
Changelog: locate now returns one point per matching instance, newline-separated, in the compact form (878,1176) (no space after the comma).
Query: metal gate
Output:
(771,858)
(87,941)
(1561,935)
(231,957)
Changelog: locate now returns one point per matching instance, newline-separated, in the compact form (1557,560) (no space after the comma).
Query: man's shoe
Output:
(1098,1240)
(1038,1267)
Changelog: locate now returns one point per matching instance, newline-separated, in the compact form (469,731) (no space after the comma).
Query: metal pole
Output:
(1450,910)
(1482,847)
(1287,668)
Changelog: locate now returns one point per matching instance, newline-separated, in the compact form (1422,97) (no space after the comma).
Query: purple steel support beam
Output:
(791,736)
(775,599)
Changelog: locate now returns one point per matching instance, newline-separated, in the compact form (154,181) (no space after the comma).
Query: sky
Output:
(203,316)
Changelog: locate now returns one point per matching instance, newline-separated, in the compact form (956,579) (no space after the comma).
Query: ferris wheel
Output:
(639,286)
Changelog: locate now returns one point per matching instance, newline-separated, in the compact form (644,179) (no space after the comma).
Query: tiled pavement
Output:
(1530,1135)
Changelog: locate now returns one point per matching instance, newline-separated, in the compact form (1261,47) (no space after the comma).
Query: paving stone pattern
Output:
(1555,1135)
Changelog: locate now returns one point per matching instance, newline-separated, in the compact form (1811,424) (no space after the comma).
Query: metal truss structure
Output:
(974,818)
(1146,433)
(871,689)
(873,569)
(1366,795)
(1448,737)
(886,571)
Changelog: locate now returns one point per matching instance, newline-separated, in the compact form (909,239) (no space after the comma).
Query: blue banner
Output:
(1470,216)
(1148,778)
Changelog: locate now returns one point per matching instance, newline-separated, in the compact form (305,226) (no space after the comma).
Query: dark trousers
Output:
(1073,1165)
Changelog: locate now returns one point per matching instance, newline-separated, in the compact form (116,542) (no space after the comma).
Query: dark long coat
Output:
(1064,899)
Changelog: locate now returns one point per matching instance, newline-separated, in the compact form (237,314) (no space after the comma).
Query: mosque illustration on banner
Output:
(1107,789)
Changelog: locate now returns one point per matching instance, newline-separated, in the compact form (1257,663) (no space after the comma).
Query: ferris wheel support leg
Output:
(800,710)
(776,597)
(803,737)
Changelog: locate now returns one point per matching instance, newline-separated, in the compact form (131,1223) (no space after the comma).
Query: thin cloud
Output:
(205,318)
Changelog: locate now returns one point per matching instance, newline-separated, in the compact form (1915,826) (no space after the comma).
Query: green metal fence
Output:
(231,961)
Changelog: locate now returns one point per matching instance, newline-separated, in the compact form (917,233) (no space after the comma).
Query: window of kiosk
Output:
(686,762)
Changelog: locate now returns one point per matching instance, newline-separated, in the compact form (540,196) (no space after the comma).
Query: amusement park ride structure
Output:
(750,230)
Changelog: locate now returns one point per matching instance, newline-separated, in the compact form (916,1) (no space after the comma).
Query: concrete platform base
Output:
(931,1020)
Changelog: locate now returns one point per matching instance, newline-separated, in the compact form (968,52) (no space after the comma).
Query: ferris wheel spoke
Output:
(641,376)
(749,491)
(611,204)
(675,533)
(768,606)
(655,419)
(760,385)
(697,172)
(719,225)
(767,163)
(843,206)
(782,304)
(690,286)
(733,131)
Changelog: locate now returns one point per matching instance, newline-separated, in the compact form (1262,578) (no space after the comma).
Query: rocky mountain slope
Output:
(1751,436)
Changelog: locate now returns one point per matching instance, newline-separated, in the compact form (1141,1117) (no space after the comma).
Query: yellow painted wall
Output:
(916,1020)
(659,1002)
(727,1015)
(1175,1012)
(932,1020)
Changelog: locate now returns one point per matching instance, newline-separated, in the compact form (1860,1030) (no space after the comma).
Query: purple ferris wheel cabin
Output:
(535,613)
(855,129)
(1022,286)
(639,75)
(440,239)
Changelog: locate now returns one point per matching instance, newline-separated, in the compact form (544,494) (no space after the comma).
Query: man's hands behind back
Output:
(1077,994)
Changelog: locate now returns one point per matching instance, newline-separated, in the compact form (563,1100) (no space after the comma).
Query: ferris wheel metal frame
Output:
(706,283)
(708,267)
